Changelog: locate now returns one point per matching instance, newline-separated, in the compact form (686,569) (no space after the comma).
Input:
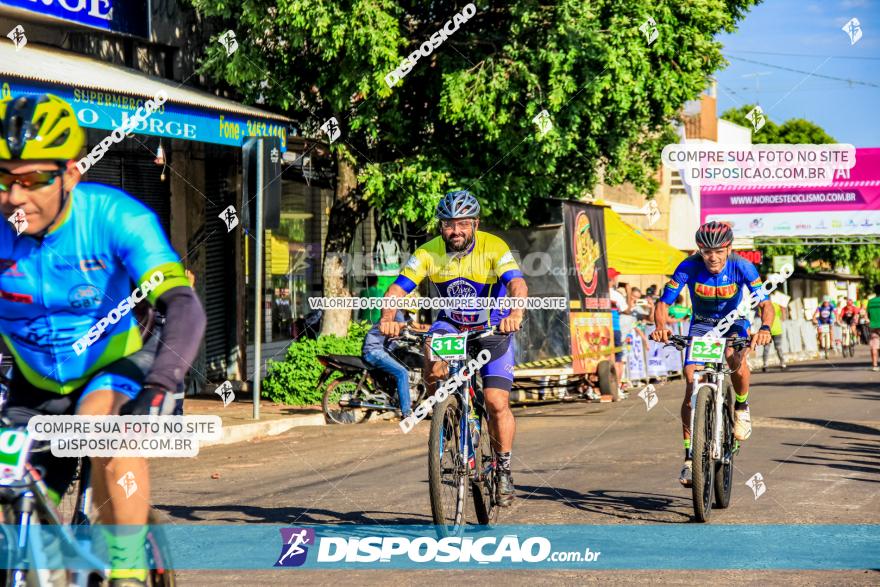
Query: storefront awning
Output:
(632,252)
(105,96)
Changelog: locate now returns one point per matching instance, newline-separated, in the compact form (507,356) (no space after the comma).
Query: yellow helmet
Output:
(39,127)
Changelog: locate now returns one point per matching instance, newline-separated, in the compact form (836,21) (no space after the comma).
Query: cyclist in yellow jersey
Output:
(464,262)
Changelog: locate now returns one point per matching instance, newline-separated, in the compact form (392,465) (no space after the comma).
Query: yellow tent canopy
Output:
(632,252)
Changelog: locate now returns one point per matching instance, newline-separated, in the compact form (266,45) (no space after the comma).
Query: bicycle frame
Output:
(27,498)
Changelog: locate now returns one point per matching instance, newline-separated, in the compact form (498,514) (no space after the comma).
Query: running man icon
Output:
(294,549)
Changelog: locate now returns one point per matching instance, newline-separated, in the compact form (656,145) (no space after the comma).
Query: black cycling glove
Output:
(152,401)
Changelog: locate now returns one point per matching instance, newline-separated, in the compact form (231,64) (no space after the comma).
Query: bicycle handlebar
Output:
(680,342)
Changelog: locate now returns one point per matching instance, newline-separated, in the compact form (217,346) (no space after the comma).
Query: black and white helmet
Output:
(714,235)
(459,204)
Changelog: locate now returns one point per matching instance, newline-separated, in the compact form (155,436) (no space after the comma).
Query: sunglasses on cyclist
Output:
(717,251)
(460,224)
(29,181)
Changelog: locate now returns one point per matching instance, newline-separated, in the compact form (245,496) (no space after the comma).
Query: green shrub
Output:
(294,381)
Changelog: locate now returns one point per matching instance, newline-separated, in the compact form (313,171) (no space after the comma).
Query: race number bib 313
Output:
(449,347)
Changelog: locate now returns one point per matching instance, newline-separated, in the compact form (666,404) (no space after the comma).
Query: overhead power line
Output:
(839,79)
(802,55)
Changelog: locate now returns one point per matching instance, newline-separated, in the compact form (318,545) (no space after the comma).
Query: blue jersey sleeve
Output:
(676,283)
(752,280)
(144,250)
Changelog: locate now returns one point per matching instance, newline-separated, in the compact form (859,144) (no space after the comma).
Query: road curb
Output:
(254,430)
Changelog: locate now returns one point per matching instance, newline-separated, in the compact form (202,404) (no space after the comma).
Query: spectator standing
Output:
(678,312)
(874,325)
(618,305)
(776,334)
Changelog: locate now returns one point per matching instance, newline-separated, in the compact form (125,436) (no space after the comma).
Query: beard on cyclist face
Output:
(715,258)
(459,236)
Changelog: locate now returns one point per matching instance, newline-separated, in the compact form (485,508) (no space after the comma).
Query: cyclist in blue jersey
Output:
(464,262)
(824,318)
(74,261)
(717,280)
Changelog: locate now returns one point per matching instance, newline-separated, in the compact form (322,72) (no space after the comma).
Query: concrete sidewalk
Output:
(238,422)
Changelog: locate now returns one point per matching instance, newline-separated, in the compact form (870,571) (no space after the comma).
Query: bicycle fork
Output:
(714,388)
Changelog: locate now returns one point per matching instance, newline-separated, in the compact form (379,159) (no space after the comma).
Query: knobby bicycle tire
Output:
(724,471)
(445,439)
(485,505)
(701,454)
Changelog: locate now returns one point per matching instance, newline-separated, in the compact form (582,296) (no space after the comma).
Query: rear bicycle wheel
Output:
(485,506)
(447,468)
(337,397)
(724,467)
(703,468)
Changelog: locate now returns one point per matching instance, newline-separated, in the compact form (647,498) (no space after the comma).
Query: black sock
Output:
(740,405)
(504,461)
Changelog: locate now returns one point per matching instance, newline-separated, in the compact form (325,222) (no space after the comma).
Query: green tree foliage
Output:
(792,132)
(463,116)
(863,260)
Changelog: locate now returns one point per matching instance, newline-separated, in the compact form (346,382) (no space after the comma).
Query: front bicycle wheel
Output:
(724,467)
(485,505)
(337,402)
(447,468)
(702,455)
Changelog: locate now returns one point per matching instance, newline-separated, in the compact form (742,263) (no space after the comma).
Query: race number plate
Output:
(706,349)
(449,347)
(14,446)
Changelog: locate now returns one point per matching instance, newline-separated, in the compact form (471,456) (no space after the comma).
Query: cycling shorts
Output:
(498,372)
(25,401)
(739,328)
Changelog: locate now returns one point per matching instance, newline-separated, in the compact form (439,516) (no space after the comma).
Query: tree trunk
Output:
(347,213)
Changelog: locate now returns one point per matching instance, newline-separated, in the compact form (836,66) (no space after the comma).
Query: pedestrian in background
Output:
(874,325)
(776,335)
(618,305)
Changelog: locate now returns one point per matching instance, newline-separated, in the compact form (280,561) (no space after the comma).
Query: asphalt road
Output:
(815,442)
